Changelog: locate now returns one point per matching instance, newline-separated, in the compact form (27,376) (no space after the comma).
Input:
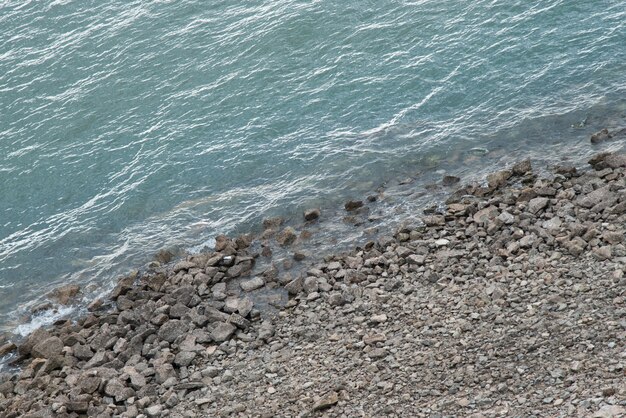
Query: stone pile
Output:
(509,302)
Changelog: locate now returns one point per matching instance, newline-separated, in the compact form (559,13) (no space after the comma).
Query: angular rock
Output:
(171,330)
(48,348)
(223,331)
(537,204)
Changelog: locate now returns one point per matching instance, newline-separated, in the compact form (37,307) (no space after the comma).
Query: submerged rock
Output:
(64,294)
(353,205)
(600,136)
(287,236)
(312,214)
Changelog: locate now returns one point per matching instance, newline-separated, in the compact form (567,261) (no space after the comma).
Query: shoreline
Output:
(155,351)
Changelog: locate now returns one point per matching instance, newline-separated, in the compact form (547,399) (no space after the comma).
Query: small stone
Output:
(463,402)
(442,242)
(244,307)
(154,410)
(326,402)
(252,284)
(378,319)
(311,214)
(353,205)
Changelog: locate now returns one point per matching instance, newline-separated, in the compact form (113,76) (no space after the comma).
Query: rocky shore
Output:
(510,300)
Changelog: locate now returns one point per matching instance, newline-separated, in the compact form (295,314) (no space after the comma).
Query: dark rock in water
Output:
(64,294)
(372,198)
(243,241)
(522,167)
(353,205)
(287,236)
(311,214)
(164,256)
(449,181)
(272,223)
(607,160)
(600,136)
(40,307)
(299,256)
(565,170)
(498,178)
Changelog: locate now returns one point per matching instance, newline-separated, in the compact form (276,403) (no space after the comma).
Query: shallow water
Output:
(132,126)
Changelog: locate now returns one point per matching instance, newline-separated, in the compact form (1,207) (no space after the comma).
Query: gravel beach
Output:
(509,301)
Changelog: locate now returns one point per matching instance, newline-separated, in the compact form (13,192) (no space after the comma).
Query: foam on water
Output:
(128,127)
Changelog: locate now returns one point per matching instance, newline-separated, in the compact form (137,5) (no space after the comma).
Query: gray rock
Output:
(184,358)
(537,204)
(172,329)
(244,307)
(295,286)
(223,331)
(252,284)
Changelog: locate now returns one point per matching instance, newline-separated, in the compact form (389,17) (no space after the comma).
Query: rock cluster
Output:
(510,302)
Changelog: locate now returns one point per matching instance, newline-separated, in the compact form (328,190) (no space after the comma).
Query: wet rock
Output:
(64,294)
(498,179)
(7,348)
(252,284)
(522,167)
(295,286)
(449,181)
(600,136)
(272,223)
(353,205)
(286,237)
(311,214)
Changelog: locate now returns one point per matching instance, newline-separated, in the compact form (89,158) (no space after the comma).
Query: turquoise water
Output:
(126,127)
